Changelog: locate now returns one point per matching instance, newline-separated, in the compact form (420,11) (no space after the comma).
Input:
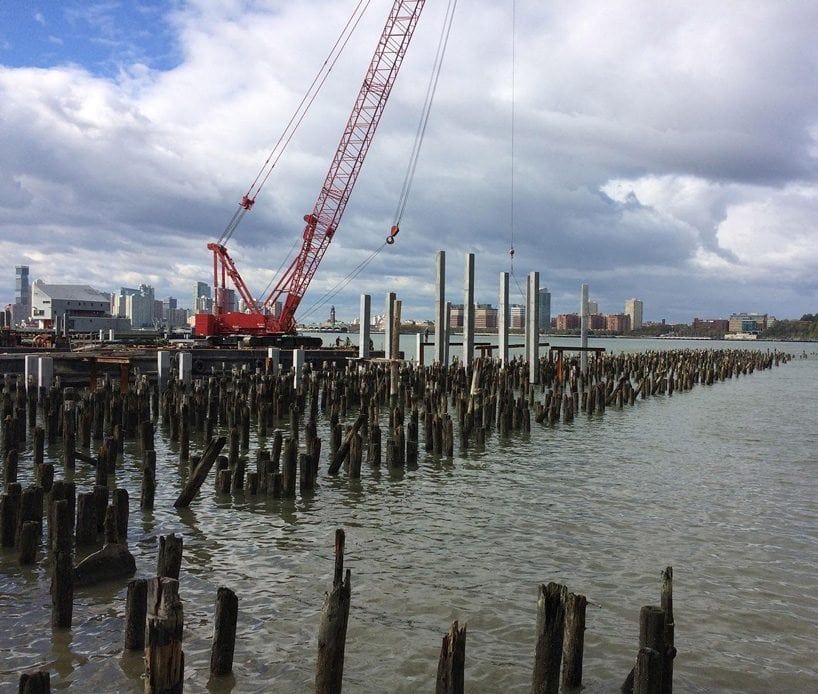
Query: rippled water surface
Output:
(720,482)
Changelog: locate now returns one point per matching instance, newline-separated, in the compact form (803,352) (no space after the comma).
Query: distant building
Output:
(545,309)
(277,308)
(76,307)
(21,308)
(485,317)
(517,316)
(633,308)
(748,322)
(456,316)
(593,307)
(202,291)
(568,321)
(332,316)
(618,323)
(227,299)
(138,305)
(710,326)
(596,321)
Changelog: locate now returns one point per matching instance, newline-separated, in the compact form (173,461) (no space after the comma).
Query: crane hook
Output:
(393,232)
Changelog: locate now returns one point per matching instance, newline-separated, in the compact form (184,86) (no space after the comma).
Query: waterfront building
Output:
(618,323)
(568,321)
(485,317)
(456,316)
(748,322)
(633,308)
(596,321)
(593,307)
(710,326)
(76,307)
(517,316)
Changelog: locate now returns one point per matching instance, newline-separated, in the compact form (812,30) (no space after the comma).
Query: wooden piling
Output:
(136,608)
(148,481)
(62,578)
(574,641)
(164,659)
(29,537)
(548,650)
(199,474)
(329,666)
(670,627)
(451,665)
(169,561)
(35,682)
(224,632)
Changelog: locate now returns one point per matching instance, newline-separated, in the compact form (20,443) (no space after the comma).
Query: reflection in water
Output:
(603,505)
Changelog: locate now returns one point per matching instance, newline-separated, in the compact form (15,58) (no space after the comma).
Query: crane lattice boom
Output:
(322,223)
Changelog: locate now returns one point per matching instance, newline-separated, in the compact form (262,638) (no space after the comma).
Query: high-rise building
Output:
(21,309)
(633,308)
(593,307)
(545,309)
(138,305)
(202,291)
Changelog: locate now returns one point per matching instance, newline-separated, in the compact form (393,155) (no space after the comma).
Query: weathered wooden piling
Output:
(329,666)
(452,662)
(35,682)
(198,475)
(29,537)
(136,608)
(550,630)
(164,659)
(62,578)
(148,481)
(10,514)
(224,632)
(574,641)
(86,530)
(670,627)
(169,560)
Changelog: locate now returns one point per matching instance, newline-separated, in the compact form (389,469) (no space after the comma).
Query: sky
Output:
(666,151)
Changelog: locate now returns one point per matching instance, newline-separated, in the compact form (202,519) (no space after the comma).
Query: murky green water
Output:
(720,482)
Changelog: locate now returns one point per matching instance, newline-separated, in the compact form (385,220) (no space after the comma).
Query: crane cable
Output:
(513,147)
(295,120)
(344,281)
(431,88)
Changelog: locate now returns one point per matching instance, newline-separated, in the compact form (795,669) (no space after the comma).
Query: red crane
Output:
(261,318)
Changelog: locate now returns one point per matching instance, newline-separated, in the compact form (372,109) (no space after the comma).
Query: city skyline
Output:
(654,182)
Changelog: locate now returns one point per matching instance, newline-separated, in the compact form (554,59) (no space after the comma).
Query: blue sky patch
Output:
(102,37)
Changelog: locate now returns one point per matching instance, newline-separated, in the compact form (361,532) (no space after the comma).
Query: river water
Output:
(720,482)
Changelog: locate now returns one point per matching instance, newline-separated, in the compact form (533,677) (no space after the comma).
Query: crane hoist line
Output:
(262,318)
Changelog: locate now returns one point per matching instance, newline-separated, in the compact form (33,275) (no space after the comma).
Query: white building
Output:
(633,308)
(137,305)
(76,307)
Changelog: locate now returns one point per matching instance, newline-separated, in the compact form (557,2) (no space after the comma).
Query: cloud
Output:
(39,18)
(661,151)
